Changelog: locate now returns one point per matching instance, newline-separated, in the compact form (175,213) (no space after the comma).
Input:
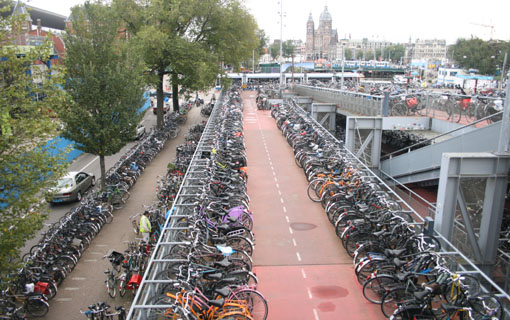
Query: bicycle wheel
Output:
(375,288)
(487,307)
(240,243)
(456,292)
(110,286)
(254,302)
(37,307)
(311,191)
(122,287)
(392,299)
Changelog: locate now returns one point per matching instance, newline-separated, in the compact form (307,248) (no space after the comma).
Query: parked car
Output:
(165,108)
(140,131)
(71,187)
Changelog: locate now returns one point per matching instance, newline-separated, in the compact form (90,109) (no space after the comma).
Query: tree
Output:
(104,81)
(395,52)
(486,56)
(359,54)
(29,163)
(275,49)
(348,54)
(189,40)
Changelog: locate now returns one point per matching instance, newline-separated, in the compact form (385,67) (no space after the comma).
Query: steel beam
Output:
(374,137)
(454,167)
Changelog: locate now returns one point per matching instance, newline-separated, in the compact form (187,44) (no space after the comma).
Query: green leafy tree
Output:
(348,54)
(275,49)
(188,40)
(104,81)
(359,54)
(28,163)
(486,56)
(396,52)
(378,53)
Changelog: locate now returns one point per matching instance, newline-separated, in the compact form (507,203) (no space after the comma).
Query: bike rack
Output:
(473,269)
(158,262)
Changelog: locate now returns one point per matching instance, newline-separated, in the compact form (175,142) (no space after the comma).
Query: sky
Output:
(391,20)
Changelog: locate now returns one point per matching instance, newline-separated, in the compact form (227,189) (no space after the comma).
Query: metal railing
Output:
(413,146)
(190,186)
(358,103)
(466,265)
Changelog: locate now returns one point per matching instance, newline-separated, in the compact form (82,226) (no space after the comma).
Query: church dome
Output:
(325,15)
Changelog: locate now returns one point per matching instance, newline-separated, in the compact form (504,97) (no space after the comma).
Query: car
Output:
(155,109)
(140,131)
(71,187)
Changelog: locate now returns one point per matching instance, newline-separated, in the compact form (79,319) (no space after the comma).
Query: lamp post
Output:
(343,65)
(281,46)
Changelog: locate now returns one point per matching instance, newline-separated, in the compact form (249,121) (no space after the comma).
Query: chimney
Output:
(38,27)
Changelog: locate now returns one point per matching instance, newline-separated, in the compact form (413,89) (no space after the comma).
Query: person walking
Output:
(145,226)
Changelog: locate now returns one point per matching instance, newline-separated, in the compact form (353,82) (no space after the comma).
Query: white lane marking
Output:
(78,278)
(101,245)
(88,164)
(275,180)
(90,260)
(290,230)
(284,209)
(298,256)
(271,163)
(315,314)
(277,186)
(294,242)
(96,252)
(309,293)
(303,273)
(279,192)
(272,168)
(72,289)
(63,299)
(287,218)
(281,200)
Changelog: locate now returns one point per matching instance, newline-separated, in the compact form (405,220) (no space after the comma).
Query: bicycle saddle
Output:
(213,276)
(420,295)
(399,263)
(223,263)
(225,291)
(393,253)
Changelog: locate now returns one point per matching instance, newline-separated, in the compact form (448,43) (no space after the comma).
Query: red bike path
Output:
(303,270)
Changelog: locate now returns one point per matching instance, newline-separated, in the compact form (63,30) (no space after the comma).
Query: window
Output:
(453,73)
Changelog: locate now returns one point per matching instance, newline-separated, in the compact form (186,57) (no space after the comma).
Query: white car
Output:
(140,131)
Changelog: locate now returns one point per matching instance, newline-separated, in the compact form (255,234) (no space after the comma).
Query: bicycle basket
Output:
(116,258)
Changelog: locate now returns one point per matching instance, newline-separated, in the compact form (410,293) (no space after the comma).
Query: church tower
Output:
(325,27)
(310,35)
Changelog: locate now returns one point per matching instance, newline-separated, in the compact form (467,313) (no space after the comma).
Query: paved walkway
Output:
(304,272)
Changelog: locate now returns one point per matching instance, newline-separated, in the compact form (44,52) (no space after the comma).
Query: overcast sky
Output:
(392,20)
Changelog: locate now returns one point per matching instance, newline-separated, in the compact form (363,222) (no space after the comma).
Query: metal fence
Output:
(357,103)
(450,106)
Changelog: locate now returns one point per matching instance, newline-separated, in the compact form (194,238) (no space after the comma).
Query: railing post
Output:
(386,104)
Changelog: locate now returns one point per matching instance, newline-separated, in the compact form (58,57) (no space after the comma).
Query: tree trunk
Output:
(160,98)
(175,92)
(103,172)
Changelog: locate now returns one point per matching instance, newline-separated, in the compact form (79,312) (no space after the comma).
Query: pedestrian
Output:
(145,226)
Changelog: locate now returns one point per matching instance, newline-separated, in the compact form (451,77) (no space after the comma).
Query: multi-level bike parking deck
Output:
(302,270)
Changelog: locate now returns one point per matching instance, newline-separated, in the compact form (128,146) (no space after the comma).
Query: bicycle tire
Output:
(375,288)
(311,190)
(393,298)
(470,286)
(487,306)
(122,287)
(36,307)
(240,243)
(110,286)
(255,303)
